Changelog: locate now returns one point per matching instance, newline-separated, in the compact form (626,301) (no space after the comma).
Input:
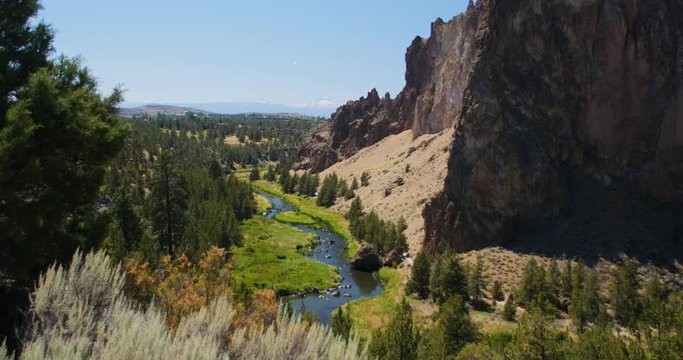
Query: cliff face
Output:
(566,99)
(436,72)
(566,113)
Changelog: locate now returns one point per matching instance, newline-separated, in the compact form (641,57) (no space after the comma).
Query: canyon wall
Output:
(566,112)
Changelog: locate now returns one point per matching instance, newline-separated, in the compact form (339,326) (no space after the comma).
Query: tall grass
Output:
(81,312)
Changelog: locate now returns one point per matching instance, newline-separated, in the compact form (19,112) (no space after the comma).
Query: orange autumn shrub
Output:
(258,315)
(178,286)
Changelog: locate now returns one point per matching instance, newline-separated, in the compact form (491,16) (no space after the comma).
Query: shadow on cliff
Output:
(603,222)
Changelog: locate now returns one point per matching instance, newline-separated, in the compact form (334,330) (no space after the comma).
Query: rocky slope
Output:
(568,126)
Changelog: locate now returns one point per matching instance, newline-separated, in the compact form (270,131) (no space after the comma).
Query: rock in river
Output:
(366,259)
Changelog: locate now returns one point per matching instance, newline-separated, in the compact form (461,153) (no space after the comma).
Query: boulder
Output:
(393,258)
(366,259)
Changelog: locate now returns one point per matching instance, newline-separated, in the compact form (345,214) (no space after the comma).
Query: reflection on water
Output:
(354,284)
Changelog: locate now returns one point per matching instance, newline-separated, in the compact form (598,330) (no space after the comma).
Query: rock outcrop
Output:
(568,118)
(366,259)
(436,72)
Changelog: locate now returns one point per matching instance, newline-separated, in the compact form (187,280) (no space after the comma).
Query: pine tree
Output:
(533,285)
(354,184)
(127,220)
(57,136)
(475,281)
(497,291)
(364,179)
(419,279)
(447,278)
(458,329)
(624,293)
(169,201)
(554,284)
(399,339)
(254,174)
(535,339)
(215,170)
(510,308)
(270,174)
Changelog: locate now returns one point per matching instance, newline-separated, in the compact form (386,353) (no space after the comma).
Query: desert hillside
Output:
(394,192)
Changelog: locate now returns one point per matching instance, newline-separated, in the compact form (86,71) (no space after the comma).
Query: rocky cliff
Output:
(568,118)
(437,69)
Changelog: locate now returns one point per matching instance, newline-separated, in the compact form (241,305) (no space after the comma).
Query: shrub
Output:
(82,312)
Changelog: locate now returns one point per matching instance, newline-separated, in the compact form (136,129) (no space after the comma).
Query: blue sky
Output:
(294,52)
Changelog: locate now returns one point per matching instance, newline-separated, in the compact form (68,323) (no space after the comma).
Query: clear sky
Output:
(293,52)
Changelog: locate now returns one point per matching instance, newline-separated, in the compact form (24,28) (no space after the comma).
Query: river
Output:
(354,285)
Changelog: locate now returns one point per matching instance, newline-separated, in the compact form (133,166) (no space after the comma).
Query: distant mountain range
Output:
(321,108)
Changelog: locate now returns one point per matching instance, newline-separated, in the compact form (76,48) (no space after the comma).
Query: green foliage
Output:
(533,286)
(419,279)
(399,339)
(497,291)
(383,235)
(624,293)
(57,135)
(168,203)
(598,342)
(308,184)
(293,217)
(364,179)
(510,308)
(478,351)
(535,339)
(327,195)
(254,174)
(585,300)
(447,278)
(273,257)
(455,325)
(24,48)
(215,169)
(270,174)
(475,282)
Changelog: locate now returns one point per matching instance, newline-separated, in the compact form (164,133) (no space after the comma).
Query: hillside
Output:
(153,109)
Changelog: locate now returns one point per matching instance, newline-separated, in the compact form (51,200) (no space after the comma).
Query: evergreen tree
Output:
(599,343)
(399,339)
(419,279)
(364,179)
(510,308)
(355,212)
(624,293)
(254,174)
(567,285)
(354,184)
(270,174)
(328,191)
(57,135)
(535,339)
(215,170)
(169,201)
(447,278)
(554,284)
(585,302)
(475,282)
(533,285)
(455,324)
(497,291)
(127,220)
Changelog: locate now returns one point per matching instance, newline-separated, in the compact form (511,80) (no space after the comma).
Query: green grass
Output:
(262,204)
(272,257)
(293,217)
(332,219)
(371,313)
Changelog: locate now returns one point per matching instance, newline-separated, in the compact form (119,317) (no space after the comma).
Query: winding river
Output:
(354,285)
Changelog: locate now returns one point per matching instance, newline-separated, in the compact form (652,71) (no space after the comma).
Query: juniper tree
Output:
(419,279)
